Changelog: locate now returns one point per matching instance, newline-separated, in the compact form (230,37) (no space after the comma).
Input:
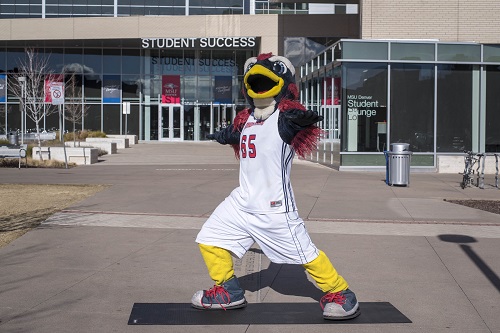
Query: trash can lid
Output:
(400,147)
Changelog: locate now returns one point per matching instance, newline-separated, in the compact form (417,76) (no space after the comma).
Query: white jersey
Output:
(265,165)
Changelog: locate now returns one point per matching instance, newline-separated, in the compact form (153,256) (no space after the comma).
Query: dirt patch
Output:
(25,206)
(492,206)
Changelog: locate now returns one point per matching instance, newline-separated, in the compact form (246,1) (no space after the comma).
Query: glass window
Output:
(364,50)
(203,89)
(92,60)
(152,113)
(171,62)
(412,106)
(80,10)
(364,106)
(189,62)
(3,56)
(13,117)
(123,11)
(73,60)
(223,63)
(492,109)
(131,87)
(412,51)
(459,52)
(107,10)
(455,106)
(93,85)
(131,121)
(131,61)
(35,10)
(137,11)
(491,53)
(92,121)
(65,10)
(188,91)
(111,61)
(111,118)
(166,10)
(204,63)
(55,59)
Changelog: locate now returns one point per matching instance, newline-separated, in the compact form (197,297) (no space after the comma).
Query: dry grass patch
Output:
(25,206)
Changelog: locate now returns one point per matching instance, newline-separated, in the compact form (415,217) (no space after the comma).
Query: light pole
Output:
(22,83)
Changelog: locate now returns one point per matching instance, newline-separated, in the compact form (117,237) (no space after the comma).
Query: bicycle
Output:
(471,159)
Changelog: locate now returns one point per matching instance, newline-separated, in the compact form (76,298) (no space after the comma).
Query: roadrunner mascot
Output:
(265,138)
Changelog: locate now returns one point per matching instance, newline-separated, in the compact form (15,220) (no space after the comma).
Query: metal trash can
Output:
(13,138)
(398,164)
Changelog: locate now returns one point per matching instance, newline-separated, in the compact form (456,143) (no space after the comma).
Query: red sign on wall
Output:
(50,80)
(171,89)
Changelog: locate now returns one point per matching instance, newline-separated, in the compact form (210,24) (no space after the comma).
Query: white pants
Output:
(282,236)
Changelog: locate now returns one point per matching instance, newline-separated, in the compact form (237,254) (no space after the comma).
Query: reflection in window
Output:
(492,109)
(111,61)
(131,87)
(93,84)
(92,120)
(131,61)
(111,119)
(364,107)
(131,121)
(456,104)
(412,106)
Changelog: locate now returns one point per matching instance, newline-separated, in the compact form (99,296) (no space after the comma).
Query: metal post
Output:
(22,81)
(62,136)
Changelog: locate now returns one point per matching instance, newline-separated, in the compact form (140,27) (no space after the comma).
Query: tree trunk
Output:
(39,140)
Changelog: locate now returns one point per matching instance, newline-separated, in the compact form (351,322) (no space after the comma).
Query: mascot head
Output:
(268,79)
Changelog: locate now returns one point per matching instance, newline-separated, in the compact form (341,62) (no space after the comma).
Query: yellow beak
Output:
(261,82)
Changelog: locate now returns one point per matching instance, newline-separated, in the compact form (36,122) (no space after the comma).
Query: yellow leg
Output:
(219,263)
(325,275)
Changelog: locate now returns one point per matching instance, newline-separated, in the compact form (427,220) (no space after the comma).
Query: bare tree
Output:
(28,87)
(74,109)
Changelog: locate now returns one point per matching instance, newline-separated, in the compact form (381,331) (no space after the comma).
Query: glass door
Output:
(171,122)
(222,115)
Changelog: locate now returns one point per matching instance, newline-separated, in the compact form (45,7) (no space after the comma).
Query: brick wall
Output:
(446,20)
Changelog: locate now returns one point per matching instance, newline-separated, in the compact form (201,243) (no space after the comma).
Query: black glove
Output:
(302,118)
(225,136)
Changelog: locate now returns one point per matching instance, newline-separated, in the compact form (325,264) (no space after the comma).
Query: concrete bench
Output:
(107,147)
(13,151)
(77,155)
(121,143)
(132,138)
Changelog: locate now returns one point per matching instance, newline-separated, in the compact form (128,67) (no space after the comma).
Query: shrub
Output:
(96,134)
(33,163)
(82,135)
(4,142)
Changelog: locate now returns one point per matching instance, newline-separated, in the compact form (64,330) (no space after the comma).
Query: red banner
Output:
(56,78)
(171,89)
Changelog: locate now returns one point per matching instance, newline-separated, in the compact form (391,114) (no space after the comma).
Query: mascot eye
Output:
(279,67)
(249,66)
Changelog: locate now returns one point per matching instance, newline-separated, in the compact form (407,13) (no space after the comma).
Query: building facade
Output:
(423,73)
(380,71)
(179,63)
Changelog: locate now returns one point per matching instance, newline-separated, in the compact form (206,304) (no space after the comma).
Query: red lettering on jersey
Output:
(252,150)
(250,124)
